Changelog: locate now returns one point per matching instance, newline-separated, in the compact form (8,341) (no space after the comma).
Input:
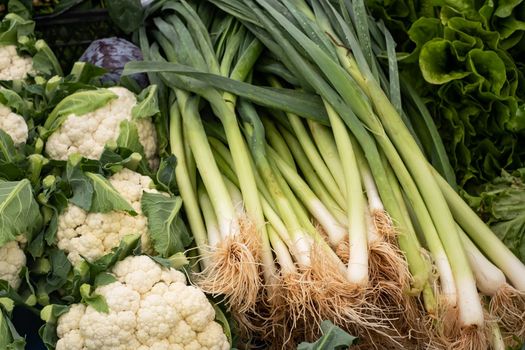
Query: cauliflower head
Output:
(89,133)
(12,260)
(150,308)
(12,65)
(92,235)
(13,124)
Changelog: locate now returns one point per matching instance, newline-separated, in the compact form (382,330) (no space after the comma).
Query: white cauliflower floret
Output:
(92,235)
(12,260)
(89,133)
(12,65)
(14,125)
(161,314)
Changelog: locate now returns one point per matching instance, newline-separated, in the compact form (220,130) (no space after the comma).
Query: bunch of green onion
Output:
(337,216)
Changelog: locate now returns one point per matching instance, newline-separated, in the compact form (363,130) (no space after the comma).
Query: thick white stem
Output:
(448,285)
(335,231)
(236,196)
(374,200)
(470,308)
(496,340)
(284,258)
(489,278)
(302,248)
(212,227)
(357,238)
(372,235)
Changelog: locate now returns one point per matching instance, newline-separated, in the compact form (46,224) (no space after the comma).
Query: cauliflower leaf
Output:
(147,105)
(166,227)
(129,137)
(333,338)
(91,191)
(79,103)
(9,337)
(11,158)
(14,27)
(106,198)
(19,212)
(91,298)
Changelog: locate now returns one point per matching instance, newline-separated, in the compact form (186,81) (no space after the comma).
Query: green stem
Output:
(220,149)
(278,143)
(338,204)
(208,169)
(331,226)
(425,221)
(324,140)
(210,219)
(187,193)
(357,232)
(313,155)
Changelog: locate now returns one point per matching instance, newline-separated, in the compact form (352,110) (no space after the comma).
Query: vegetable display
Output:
(262,174)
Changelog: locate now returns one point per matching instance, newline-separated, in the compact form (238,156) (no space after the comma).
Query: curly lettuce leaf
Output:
(501,203)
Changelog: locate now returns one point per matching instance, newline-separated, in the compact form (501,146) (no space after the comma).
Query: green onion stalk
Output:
(363,94)
(322,288)
(390,269)
(291,307)
(233,264)
(507,302)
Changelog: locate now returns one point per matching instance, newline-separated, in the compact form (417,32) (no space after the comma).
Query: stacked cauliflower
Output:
(150,308)
(12,65)
(13,124)
(92,235)
(89,133)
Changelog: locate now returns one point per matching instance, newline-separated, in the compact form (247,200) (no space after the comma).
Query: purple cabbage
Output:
(113,54)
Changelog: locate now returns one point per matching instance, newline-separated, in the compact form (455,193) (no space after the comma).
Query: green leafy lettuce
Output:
(464,57)
(501,203)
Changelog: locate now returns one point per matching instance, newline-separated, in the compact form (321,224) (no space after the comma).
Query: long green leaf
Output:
(300,103)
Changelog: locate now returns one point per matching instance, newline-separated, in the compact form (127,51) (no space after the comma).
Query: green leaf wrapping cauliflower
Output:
(150,308)
(19,219)
(92,235)
(12,65)
(87,134)
(11,123)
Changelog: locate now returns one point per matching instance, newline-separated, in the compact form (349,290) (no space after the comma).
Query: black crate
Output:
(70,33)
